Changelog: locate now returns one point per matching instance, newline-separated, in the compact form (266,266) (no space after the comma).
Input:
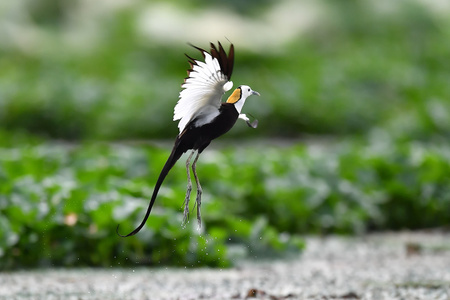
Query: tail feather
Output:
(173,158)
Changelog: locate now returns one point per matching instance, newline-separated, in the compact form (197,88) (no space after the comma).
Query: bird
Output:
(202,117)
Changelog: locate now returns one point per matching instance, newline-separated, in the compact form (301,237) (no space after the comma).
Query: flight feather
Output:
(207,81)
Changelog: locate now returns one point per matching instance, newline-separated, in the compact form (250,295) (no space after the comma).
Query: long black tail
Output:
(173,158)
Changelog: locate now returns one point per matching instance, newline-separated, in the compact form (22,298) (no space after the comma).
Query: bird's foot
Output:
(198,200)
(185,219)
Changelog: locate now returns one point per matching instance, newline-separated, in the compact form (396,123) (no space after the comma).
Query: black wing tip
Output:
(198,48)
(253,124)
(226,61)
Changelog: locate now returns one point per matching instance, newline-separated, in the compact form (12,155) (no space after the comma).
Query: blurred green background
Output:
(354,122)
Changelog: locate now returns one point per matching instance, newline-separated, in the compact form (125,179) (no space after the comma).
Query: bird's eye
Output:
(249,90)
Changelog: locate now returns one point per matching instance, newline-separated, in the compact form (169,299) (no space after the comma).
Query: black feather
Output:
(226,62)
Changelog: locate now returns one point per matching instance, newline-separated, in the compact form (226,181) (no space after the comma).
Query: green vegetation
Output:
(359,68)
(353,137)
(60,204)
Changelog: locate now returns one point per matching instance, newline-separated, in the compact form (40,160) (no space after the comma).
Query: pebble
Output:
(406,265)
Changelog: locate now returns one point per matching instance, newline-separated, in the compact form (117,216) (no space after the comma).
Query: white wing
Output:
(203,89)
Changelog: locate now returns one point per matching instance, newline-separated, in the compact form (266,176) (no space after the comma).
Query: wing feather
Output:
(207,81)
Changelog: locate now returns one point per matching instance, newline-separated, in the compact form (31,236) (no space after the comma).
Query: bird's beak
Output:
(255,93)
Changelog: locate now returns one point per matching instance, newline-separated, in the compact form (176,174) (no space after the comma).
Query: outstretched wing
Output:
(206,83)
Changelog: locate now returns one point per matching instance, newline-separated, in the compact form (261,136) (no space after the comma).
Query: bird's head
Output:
(247,91)
(239,96)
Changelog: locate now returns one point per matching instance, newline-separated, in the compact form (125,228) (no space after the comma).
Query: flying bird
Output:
(202,116)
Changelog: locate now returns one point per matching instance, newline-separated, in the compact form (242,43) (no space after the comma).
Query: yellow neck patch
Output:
(235,96)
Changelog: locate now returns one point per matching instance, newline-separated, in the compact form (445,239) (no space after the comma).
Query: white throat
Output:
(238,105)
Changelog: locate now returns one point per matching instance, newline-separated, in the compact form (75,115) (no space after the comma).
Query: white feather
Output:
(202,93)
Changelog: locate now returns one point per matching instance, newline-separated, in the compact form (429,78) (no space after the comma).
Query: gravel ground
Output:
(381,266)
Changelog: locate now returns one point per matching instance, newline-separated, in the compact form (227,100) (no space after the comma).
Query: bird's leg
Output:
(188,189)
(199,191)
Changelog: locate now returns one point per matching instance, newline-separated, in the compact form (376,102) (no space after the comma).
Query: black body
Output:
(196,138)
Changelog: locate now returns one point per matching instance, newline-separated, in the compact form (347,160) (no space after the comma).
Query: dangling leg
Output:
(199,191)
(188,189)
